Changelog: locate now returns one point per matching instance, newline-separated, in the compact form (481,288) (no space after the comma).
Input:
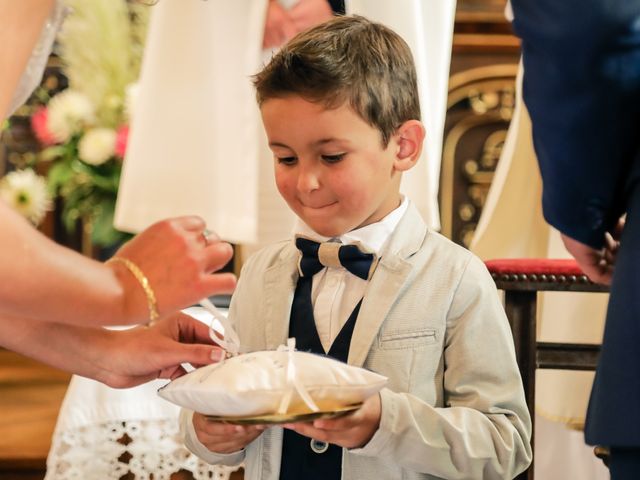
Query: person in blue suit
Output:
(582,88)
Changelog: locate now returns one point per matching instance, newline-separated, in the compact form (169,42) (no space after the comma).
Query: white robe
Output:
(197,145)
(427,26)
(196,135)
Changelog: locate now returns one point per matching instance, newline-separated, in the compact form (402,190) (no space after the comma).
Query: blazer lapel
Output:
(384,287)
(280,283)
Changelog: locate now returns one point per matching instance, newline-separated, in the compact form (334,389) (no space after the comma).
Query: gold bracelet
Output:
(144,283)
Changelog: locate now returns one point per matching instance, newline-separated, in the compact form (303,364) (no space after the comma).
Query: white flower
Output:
(68,113)
(26,192)
(97,145)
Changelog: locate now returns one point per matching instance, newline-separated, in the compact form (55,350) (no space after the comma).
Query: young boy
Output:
(340,108)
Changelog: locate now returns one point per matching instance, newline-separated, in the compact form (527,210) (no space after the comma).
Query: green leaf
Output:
(52,153)
(103,233)
(106,176)
(70,216)
(59,175)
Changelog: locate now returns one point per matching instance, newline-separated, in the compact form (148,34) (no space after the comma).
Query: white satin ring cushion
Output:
(255,384)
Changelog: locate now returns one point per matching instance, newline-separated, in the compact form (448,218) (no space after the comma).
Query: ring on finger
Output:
(206,233)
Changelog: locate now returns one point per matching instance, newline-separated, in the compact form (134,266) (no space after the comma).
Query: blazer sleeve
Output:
(582,89)
(484,428)
(241,304)
(191,441)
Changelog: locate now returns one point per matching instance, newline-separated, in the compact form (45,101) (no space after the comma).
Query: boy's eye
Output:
(286,160)
(333,158)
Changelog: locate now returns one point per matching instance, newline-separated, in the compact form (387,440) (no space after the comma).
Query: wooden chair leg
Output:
(520,307)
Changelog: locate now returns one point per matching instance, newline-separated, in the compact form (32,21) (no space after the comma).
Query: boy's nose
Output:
(308,180)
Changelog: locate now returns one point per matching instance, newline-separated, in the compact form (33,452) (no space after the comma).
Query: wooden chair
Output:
(521,280)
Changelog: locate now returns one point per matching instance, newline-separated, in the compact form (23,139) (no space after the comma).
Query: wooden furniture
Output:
(30,397)
(484,63)
(521,280)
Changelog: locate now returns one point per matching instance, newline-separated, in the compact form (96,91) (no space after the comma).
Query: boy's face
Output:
(330,165)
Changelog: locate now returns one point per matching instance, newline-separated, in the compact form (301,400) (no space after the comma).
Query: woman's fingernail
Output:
(217,354)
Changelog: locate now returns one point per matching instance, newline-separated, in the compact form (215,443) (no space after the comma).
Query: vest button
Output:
(319,447)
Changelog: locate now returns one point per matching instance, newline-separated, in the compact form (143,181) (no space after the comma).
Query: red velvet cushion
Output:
(534,266)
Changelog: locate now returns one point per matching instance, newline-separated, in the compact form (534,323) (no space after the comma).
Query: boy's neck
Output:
(373,235)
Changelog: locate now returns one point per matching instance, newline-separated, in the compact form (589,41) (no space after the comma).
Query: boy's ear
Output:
(409,138)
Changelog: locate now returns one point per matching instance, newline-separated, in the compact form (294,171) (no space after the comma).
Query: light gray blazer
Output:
(431,321)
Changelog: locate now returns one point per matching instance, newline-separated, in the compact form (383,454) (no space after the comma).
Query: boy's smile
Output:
(330,165)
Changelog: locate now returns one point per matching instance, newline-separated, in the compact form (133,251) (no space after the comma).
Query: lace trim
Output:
(144,450)
(37,63)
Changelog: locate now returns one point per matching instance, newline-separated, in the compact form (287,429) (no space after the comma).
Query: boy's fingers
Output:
(214,428)
(230,430)
(301,428)
(344,422)
(230,443)
(308,430)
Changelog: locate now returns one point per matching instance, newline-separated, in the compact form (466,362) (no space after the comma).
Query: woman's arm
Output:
(120,359)
(21,24)
(42,280)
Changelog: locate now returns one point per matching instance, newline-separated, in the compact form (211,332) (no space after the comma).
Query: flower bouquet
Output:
(83,130)
(86,160)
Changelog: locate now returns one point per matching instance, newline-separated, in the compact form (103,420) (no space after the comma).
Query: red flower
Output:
(122,136)
(39,127)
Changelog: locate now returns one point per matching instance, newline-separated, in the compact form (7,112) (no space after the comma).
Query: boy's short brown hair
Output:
(349,59)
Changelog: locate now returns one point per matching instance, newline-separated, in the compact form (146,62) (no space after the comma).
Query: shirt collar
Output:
(373,237)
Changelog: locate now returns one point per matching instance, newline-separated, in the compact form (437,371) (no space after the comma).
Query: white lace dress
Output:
(32,74)
(103,433)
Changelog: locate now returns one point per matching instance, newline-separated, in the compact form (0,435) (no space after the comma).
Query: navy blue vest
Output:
(298,460)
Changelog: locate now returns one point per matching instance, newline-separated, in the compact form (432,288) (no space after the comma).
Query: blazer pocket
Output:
(397,340)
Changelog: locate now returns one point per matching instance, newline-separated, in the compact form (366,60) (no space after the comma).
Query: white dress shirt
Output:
(335,292)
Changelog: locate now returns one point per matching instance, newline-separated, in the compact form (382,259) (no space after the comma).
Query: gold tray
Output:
(276,419)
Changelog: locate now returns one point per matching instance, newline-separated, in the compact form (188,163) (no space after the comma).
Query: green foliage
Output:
(100,46)
(89,193)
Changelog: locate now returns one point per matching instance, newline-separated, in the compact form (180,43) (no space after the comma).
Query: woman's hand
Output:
(177,262)
(126,358)
(279,27)
(118,358)
(308,13)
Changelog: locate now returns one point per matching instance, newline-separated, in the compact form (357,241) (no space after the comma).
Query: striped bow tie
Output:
(316,256)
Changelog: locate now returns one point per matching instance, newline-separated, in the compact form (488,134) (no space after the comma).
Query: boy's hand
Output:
(222,437)
(351,431)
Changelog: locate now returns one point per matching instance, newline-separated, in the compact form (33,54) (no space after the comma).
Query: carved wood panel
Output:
(481,100)
(480,107)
